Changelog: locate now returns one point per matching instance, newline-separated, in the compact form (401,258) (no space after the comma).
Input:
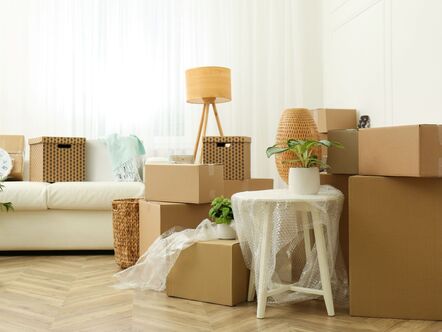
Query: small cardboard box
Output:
(158,217)
(57,159)
(414,150)
(395,247)
(15,146)
(330,119)
(183,183)
(231,151)
(340,182)
(235,186)
(210,271)
(345,160)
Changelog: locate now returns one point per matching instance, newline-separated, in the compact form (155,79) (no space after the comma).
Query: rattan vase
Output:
(295,123)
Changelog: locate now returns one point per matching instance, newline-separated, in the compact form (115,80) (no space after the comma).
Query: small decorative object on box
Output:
(231,151)
(295,123)
(15,146)
(182,159)
(125,221)
(221,212)
(57,159)
(304,176)
(364,121)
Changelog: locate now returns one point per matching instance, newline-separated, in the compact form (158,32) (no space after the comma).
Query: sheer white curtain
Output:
(94,67)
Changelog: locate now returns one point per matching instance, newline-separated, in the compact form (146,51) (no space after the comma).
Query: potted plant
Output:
(221,212)
(5,206)
(304,175)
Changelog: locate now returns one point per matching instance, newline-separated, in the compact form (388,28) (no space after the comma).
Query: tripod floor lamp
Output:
(208,86)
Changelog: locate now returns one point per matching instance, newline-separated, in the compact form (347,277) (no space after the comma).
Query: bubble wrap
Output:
(287,262)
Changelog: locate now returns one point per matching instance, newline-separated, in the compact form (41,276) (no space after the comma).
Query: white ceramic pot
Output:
(304,181)
(225,232)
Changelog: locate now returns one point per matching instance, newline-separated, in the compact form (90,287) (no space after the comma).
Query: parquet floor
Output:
(73,293)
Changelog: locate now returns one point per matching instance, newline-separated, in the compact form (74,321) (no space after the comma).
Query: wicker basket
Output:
(295,123)
(125,220)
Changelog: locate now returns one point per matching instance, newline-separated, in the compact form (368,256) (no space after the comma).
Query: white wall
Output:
(384,57)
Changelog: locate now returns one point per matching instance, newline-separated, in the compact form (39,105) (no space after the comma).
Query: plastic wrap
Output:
(287,262)
(151,269)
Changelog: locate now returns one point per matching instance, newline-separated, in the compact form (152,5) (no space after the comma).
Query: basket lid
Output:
(57,140)
(227,139)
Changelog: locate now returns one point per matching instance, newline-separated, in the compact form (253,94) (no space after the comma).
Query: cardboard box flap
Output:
(227,139)
(57,140)
(12,143)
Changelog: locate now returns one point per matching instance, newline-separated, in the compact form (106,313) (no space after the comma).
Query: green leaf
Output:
(275,150)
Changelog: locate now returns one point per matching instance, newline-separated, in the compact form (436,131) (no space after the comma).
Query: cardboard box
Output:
(235,186)
(15,146)
(395,247)
(340,182)
(231,151)
(330,119)
(183,183)
(414,150)
(158,217)
(345,160)
(57,159)
(211,271)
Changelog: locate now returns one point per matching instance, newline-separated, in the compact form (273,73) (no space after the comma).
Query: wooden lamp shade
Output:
(295,123)
(208,86)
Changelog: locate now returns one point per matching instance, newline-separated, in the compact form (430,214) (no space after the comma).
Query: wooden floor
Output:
(73,293)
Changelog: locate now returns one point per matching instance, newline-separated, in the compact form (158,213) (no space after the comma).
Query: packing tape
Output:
(211,170)
(212,194)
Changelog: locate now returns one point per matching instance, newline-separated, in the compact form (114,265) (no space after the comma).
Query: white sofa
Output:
(65,215)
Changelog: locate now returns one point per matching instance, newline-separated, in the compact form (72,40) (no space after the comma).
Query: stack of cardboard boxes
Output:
(179,195)
(391,225)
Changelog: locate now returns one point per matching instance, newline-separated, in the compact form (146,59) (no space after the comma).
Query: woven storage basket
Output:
(295,123)
(125,220)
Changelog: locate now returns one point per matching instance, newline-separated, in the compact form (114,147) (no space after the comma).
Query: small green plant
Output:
(303,151)
(5,206)
(221,210)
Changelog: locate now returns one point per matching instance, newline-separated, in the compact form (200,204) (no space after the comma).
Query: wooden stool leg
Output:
(198,137)
(251,293)
(262,277)
(206,117)
(218,121)
(307,242)
(323,264)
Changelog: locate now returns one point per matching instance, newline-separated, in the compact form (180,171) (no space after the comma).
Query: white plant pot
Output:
(304,181)
(225,232)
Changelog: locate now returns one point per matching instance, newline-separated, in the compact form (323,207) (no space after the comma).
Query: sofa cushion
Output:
(25,195)
(91,195)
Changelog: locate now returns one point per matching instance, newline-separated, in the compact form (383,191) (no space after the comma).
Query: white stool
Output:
(304,206)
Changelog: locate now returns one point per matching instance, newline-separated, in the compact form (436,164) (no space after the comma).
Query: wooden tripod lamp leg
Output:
(206,118)
(198,137)
(218,121)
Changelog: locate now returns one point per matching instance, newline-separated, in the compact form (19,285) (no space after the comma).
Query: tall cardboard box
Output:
(183,183)
(395,247)
(343,160)
(158,217)
(340,182)
(332,118)
(414,150)
(235,186)
(210,271)
(15,146)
